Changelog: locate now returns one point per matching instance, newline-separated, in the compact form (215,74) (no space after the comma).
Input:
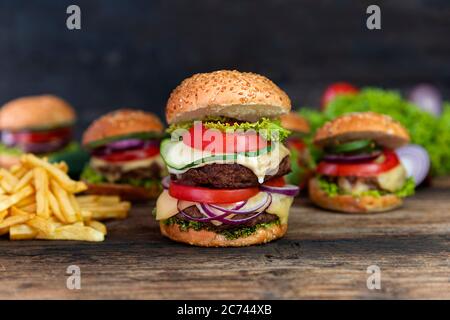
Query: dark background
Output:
(133,53)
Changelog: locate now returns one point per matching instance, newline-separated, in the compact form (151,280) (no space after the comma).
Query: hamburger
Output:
(125,160)
(301,161)
(226,161)
(360,172)
(42,125)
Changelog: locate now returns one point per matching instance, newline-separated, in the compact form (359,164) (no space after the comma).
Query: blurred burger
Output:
(301,161)
(42,125)
(359,171)
(125,160)
(226,160)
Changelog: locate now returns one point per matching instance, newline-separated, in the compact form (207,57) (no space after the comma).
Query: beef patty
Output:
(227,176)
(115,173)
(194,212)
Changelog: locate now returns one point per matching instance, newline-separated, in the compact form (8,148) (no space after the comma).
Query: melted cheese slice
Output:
(265,164)
(166,205)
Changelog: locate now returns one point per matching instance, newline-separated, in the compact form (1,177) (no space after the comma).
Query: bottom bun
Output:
(7,161)
(350,204)
(125,191)
(206,238)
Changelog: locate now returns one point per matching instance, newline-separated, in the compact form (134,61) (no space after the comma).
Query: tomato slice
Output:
(205,195)
(22,137)
(130,155)
(363,169)
(275,182)
(218,142)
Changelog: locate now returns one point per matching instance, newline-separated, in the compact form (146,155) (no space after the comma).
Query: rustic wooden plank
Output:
(324,255)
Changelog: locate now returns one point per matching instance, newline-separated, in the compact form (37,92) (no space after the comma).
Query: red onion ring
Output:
(257,207)
(288,190)
(340,158)
(208,219)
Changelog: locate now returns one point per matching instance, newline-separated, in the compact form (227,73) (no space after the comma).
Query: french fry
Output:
(31,199)
(19,171)
(13,220)
(64,202)
(22,232)
(26,179)
(9,178)
(109,215)
(54,206)
(75,231)
(41,186)
(42,225)
(3,214)
(17,212)
(31,208)
(16,197)
(60,176)
(76,207)
(91,199)
(5,185)
(62,166)
(97,226)
(37,201)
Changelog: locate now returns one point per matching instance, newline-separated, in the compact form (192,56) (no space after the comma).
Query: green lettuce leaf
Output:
(270,129)
(332,189)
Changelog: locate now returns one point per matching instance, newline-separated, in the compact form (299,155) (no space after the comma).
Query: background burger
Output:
(228,190)
(125,160)
(301,161)
(42,125)
(359,171)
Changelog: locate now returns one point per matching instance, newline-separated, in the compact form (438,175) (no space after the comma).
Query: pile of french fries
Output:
(37,201)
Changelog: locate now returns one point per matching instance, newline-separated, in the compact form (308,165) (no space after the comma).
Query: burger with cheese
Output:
(359,171)
(226,161)
(125,160)
(42,125)
(301,161)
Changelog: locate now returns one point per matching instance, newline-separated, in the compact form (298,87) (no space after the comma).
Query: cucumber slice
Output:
(353,146)
(167,144)
(136,135)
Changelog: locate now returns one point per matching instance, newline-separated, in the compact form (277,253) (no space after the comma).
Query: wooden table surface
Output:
(324,255)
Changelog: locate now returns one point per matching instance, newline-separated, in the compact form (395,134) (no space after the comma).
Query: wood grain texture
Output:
(324,255)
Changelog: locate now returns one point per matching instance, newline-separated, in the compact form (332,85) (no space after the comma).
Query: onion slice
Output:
(165,182)
(237,210)
(341,158)
(288,190)
(416,161)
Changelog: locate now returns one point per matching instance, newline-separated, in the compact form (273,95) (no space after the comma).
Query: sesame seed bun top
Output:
(239,95)
(35,112)
(294,122)
(373,126)
(122,122)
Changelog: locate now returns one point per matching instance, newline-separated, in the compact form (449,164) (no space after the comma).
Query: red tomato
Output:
(130,155)
(205,195)
(22,137)
(217,142)
(275,182)
(363,169)
(338,88)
